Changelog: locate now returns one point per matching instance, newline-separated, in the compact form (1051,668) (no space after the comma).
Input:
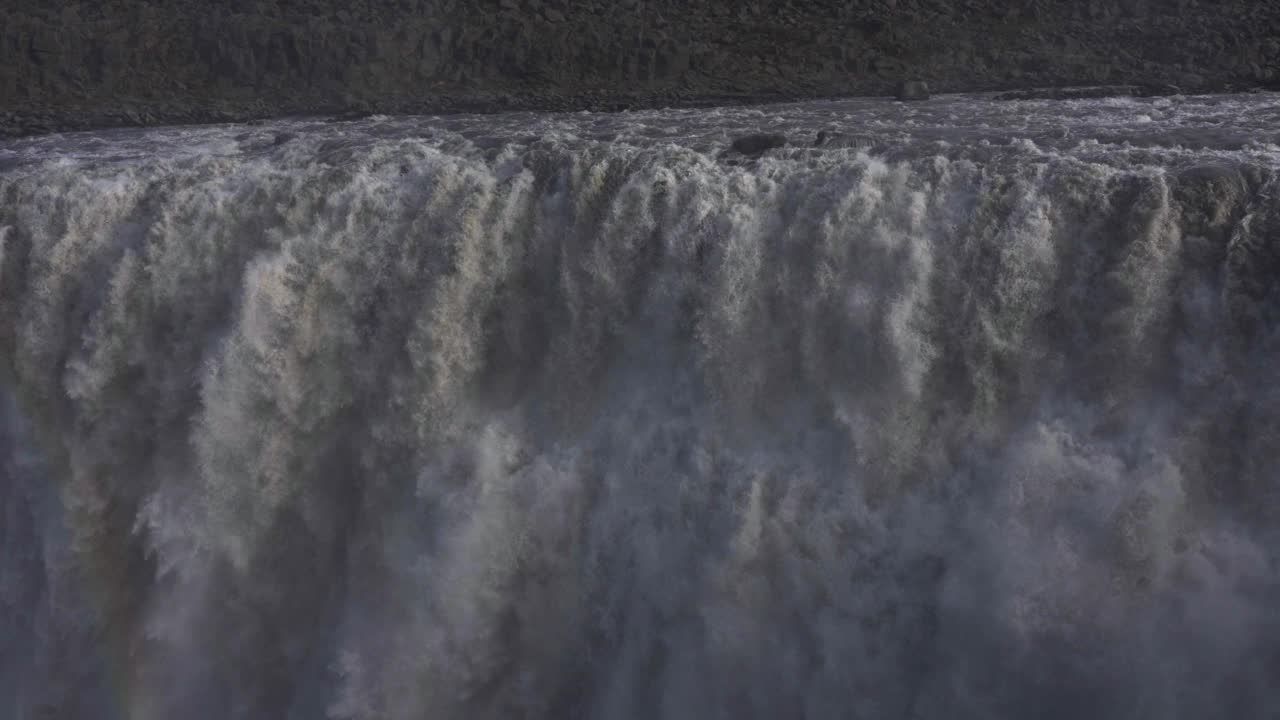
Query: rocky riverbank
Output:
(78,64)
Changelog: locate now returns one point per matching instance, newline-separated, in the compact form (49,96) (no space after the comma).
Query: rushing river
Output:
(957,409)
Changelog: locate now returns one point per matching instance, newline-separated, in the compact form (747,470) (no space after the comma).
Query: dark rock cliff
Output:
(78,62)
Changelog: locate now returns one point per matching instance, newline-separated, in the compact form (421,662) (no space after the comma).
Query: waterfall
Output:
(363,424)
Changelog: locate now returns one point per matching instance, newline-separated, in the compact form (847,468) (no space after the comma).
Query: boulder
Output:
(910,90)
(758,144)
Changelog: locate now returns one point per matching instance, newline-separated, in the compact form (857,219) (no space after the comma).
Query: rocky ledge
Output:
(89,63)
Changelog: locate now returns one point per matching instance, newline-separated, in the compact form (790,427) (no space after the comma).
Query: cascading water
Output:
(576,417)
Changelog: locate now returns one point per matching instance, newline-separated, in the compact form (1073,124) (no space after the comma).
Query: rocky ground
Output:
(91,63)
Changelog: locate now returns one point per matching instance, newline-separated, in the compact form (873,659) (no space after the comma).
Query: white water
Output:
(972,412)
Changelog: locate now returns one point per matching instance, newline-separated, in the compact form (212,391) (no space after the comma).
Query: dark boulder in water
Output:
(912,90)
(758,144)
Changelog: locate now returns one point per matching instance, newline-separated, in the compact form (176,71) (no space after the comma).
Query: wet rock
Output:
(912,90)
(758,144)
(1193,82)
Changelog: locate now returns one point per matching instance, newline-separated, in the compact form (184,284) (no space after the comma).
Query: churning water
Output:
(968,410)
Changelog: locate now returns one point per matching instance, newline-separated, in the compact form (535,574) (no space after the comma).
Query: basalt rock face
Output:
(145,61)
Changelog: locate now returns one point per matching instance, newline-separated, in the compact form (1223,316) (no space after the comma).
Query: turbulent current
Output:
(961,409)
